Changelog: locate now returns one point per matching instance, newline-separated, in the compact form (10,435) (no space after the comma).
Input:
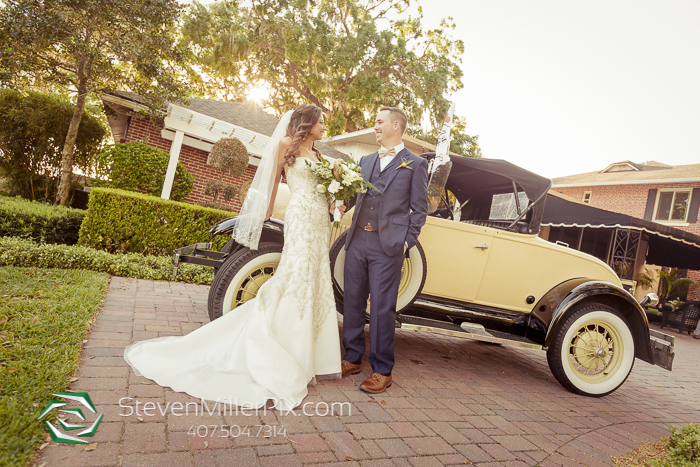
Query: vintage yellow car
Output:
(480,271)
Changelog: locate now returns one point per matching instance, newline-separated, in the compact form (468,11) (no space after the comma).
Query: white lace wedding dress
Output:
(270,347)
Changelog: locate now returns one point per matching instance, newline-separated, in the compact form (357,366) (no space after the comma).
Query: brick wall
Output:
(194,160)
(626,199)
(631,200)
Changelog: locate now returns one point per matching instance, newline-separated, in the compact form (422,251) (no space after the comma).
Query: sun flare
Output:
(258,93)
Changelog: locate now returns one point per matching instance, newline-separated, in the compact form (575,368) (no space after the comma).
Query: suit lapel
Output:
(367,164)
(366,169)
(392,167)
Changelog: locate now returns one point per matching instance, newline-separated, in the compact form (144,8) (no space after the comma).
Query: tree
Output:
(230,157)
(348,57)
(92,46)
(33,129)
(460,143)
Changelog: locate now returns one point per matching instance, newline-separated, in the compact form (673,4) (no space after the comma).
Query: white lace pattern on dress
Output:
(270,347)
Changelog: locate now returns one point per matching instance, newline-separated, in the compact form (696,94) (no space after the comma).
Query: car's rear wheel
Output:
(413,274)
(241,276)
(593,350)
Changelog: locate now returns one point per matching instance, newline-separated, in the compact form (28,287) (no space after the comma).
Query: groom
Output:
(386,224)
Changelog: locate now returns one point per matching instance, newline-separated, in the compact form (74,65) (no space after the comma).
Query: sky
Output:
(561,87)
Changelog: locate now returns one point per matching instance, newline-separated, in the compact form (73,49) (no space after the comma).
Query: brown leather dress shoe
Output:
(350,368)
(376,383)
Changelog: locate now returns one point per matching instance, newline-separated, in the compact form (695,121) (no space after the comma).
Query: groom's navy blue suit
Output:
(373,260)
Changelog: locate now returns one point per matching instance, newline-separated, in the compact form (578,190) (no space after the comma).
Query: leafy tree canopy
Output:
(461,143)
(33,129)
(349,57)
(92,46)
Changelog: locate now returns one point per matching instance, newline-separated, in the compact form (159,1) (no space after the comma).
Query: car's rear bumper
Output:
(197,253)
(662,349)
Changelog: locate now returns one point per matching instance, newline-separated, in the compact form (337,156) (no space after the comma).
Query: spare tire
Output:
(413,274)
(240,277)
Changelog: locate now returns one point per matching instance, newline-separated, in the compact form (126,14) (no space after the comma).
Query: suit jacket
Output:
(404,202)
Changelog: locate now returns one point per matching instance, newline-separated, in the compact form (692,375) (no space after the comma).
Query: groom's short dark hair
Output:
(397,115)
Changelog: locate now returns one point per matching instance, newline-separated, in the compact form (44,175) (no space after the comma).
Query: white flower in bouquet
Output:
(320,188)
(334,187)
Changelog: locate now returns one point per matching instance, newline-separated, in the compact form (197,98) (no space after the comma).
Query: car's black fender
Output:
(272,232)
(547,314)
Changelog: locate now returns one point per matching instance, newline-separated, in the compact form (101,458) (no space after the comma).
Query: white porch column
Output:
(172,164)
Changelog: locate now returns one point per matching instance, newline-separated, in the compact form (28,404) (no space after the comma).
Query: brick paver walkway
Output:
(453,401)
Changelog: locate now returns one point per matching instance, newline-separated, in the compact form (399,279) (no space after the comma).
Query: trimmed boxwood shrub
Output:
(126,222)
(27,253)
(139,167)
(42,222)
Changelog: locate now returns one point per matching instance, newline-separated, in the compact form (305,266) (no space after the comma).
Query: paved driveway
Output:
(453,401)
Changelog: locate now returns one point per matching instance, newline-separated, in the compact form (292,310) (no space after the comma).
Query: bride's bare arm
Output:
(281,152)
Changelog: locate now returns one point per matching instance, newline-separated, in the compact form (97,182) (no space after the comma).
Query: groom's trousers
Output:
(370,272)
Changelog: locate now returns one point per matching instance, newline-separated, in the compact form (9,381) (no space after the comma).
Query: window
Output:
(503,205)
(672,206)
(587,197)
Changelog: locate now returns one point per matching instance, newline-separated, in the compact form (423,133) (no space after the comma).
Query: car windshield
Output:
(482,191)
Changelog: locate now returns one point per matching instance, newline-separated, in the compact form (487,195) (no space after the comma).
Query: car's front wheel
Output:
(241,276)
(592,352)
(413,274)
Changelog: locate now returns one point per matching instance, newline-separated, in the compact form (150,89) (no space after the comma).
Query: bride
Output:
(271,347)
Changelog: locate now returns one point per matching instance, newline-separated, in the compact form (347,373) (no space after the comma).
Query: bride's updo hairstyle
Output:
(303,120)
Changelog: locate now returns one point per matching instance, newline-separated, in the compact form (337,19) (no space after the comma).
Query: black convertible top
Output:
(470,176)
(475,181)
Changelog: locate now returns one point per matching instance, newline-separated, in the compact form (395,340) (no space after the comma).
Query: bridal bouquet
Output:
(339,189)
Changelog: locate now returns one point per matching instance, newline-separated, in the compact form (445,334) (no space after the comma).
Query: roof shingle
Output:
(243,114)
(645,172)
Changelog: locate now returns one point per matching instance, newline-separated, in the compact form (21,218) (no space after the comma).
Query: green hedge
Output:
(42,222)
(27,253)
(126,222)
(139,167)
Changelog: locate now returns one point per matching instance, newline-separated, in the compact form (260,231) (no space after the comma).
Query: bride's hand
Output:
(342,208)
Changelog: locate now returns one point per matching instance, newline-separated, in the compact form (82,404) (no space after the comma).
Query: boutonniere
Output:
(405,164)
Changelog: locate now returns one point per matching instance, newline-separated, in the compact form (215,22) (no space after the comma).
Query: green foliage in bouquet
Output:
(348,183)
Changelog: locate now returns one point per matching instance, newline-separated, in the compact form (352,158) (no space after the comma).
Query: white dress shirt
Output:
(384,161)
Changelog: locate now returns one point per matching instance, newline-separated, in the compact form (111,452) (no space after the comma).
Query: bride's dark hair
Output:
(303,119)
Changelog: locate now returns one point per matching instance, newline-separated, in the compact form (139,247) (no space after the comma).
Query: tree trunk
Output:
(69,147)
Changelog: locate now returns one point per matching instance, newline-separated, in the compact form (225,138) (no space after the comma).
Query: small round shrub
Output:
(139,167)
(230,156)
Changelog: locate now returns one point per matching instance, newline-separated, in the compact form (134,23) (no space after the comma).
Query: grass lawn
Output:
(44,316)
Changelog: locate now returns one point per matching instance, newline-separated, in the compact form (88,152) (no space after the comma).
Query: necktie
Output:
(386,152)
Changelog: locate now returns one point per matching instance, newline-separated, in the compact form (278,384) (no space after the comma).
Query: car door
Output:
(456,254)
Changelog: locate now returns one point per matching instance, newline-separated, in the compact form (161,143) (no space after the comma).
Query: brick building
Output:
(656,192)
(187,133)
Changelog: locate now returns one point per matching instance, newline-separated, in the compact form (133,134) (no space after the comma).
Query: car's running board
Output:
(466,330)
